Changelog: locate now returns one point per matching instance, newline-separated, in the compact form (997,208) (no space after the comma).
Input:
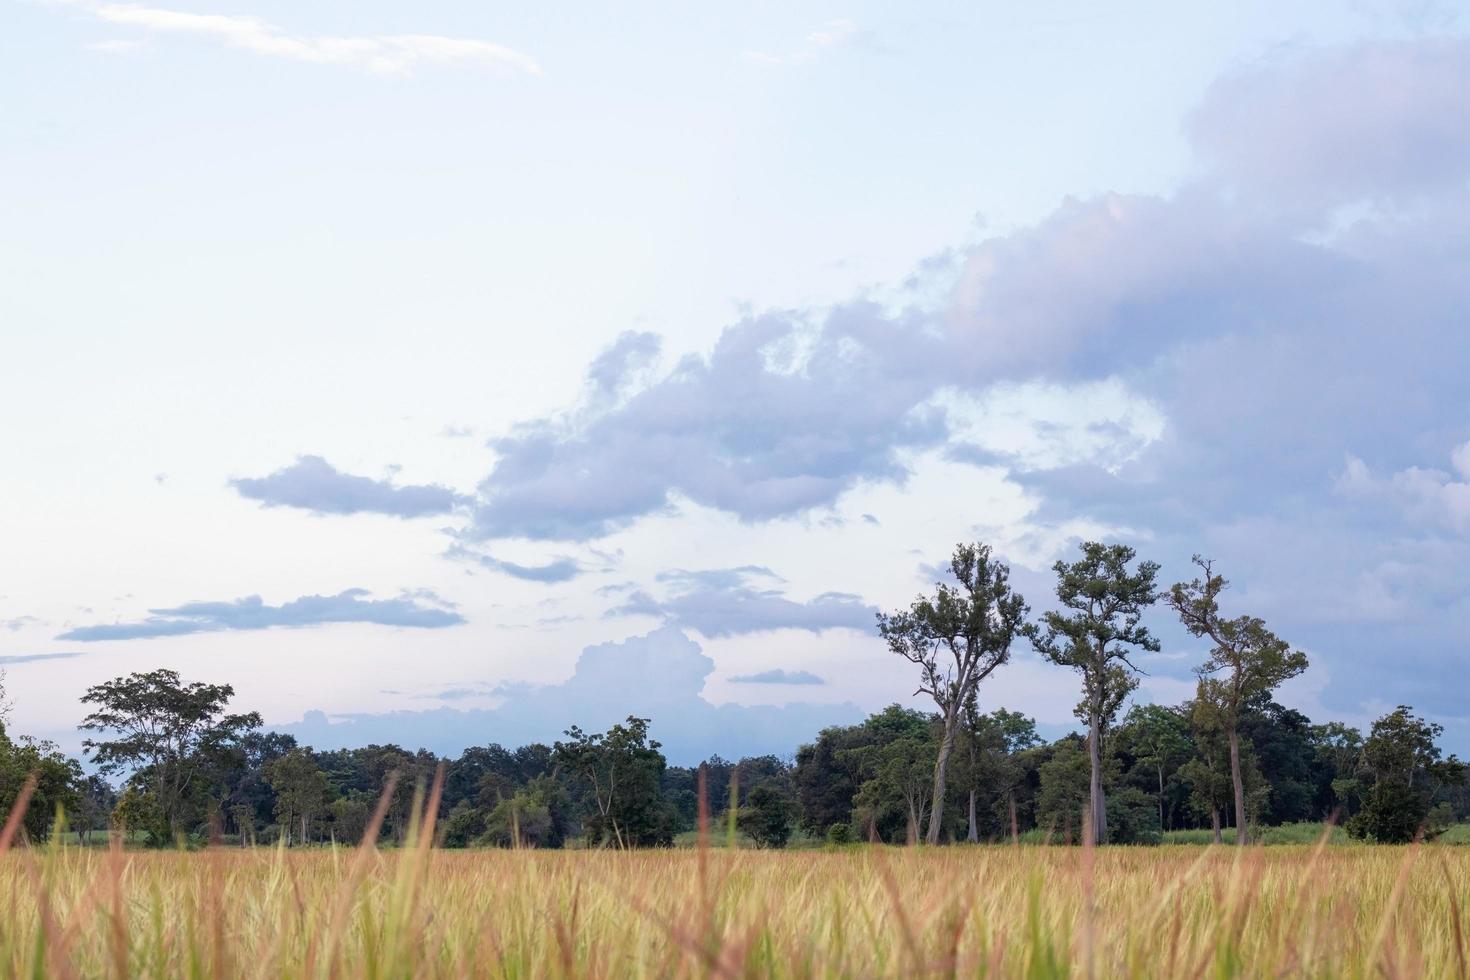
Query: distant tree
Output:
(898,776)
(1338,748)
(95,799)
(957,638)
(1062,800)
(1248,658)
(167,735)
(1102,608)
(524,819)
(242,815)
(57,781)
(1402,765)
(5,703)
(1159,737)
(1208,773)
(623,769)
(302,791)
(766,815)
(992,744)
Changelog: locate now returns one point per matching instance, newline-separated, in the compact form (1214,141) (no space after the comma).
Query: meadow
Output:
(867,910)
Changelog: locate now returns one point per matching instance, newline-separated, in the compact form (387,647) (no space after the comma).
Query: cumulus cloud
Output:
(1197,366)
(657,676)
(386,54)
(1423,495)
(252,613)
(551,572)
(311,483)
(728,602)
(778,676)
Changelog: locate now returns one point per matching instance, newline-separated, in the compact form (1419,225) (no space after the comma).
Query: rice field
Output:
(866,911)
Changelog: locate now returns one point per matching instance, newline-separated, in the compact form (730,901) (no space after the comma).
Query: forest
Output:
(168,761)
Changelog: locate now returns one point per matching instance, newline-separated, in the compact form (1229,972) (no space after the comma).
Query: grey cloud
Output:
(29,658)
(251,613)
(313,484)
(756,428)
(554,571)
(614,370)
(1377,120)
(778,676)
(658,676)
(722,602)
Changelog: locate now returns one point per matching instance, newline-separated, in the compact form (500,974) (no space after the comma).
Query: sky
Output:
(448,373)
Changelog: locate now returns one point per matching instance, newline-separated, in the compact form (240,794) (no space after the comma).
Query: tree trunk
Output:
(303,828)
(1215,822)
(974,835)
(941,763)
(1161,798)
(1239,786)
(1095,789)
(1015,827)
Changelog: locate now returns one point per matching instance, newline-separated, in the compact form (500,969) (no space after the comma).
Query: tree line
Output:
(187,767)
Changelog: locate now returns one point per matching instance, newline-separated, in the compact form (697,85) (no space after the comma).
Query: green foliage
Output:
(168,736)
(766,815)
(1101,617)
(302,791)
(1403,770)
(622,768)
(58,781)
(957,638)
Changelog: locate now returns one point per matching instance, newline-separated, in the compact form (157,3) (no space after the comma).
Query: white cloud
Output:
(1425,495)
(387,54)
(834,33)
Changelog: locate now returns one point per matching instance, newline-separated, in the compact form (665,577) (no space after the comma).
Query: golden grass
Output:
(872,911)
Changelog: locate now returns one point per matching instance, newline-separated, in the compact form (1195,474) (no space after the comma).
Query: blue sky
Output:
(411,367)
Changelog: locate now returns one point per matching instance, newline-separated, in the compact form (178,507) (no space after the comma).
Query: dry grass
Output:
(1000,911)
(1030,911)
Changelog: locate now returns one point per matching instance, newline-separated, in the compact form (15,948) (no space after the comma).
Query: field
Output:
(1034,911)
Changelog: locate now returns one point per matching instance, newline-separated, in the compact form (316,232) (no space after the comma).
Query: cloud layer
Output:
(313,484)
(725,602)
(387,54)
(657,676)
(251,613)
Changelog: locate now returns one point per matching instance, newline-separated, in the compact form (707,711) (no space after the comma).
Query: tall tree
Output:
(957,638)
(1247,660)
(1100,619)
(166,734)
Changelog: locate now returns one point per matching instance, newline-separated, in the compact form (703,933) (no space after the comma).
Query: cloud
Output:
(1379,120)
(29,658)
(778,676)
(554,571)
(18,623)
(1186,370)
(1425,496)
(313,484)
(833,34)
(385,54)
(658,676)
(251,613)
(722,602)
(773,422)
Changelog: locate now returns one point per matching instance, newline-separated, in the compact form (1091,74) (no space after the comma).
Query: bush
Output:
(839,834)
